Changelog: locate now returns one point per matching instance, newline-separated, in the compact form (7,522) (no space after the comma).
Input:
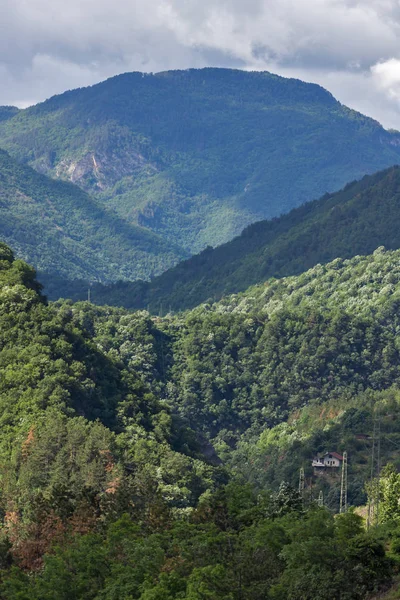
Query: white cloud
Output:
(387,76)
(349,46)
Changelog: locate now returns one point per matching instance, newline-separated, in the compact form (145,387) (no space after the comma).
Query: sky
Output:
(352,48)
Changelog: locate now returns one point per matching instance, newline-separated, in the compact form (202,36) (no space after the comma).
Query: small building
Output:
(330,460)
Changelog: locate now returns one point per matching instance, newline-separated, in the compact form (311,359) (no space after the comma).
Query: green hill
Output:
(61,230)
(82,434)
(197,155)
(284,370)
(362,216)
(143,457)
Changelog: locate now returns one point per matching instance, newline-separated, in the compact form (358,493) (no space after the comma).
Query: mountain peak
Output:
(196,156)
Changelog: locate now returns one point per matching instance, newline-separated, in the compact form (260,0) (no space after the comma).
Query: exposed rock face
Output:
(101,170)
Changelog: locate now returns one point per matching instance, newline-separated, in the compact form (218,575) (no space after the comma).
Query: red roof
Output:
(335,455)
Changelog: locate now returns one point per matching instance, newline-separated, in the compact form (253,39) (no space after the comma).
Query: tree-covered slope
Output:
(7,112)
(83,438)
(242,371)
(107,418)
(364,215)
(61,230)
(197,155)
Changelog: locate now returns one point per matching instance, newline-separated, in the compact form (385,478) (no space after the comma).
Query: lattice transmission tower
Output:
(374,485)
(343,486)
(301,484)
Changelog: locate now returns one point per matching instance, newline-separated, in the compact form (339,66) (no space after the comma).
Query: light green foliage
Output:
(389,494)
(300,348)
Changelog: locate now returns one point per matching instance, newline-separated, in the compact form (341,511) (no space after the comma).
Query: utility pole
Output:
(321,499)
(343,487)
(88,295)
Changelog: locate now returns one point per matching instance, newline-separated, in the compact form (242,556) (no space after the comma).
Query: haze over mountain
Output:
(356,220)
(197,155)
(63,231)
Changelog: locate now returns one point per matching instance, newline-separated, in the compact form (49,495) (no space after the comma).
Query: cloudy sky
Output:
(350,47)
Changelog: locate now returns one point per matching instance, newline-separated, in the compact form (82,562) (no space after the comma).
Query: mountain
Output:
(61,230)
(356,220)
(197,155)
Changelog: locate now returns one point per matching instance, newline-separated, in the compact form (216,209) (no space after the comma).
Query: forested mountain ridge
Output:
(247,364)
(61,230)
(362,216)
(7,112)
(197,155)
(107,418)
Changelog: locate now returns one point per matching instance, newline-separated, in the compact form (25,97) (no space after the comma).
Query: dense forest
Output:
(197,155)
(158,458)
(61,230)
(356,220)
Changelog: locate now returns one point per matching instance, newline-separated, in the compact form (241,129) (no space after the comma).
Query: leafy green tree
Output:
(389,494)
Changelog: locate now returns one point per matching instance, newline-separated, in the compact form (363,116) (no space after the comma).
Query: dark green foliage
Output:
(7,112)
(60,229)
(197,155)
(297,557)
(115,424)
(363,216)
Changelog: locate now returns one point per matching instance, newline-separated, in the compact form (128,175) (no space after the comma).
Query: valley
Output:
(222,426)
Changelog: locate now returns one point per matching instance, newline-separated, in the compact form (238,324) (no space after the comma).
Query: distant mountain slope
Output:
(7,112)
(197,155)
(60,229)
(356,220)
